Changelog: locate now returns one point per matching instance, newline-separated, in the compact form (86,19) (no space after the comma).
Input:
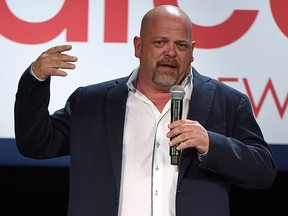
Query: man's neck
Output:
(158,97)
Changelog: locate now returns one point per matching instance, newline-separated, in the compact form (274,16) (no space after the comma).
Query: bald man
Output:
(118,133)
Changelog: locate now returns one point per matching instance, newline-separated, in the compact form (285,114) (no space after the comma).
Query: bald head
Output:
(164,48)
(162,13)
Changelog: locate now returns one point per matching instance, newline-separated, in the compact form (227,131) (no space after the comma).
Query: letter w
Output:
(269,87)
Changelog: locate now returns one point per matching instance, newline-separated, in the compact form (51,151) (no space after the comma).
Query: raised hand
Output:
(51,61)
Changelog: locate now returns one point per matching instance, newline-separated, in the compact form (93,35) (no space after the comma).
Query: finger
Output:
(175,131)
(182,137)
(61,65)
(45,57)
(51,68)
(180,126)
(176,124)
(183,145)
(59,49)
(66,58)
(56,72)
(181,122)
(57,61)
(183,132)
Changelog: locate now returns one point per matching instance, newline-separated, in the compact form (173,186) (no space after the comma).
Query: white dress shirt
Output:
(148,181)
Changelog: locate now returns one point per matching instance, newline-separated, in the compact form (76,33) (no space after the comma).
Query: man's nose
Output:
(170,50)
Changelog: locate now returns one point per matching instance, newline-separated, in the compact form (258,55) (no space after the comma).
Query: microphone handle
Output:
(176,114)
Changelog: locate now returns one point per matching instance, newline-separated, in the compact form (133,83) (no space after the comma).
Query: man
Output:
(118,133)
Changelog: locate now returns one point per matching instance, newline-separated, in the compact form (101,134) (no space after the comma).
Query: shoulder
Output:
(220,87)
(222,93)
(102,87)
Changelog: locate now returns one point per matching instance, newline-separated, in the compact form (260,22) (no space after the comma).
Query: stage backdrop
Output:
(242,43)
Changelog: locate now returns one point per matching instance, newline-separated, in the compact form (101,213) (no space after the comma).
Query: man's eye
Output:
(182,45)
(158,42)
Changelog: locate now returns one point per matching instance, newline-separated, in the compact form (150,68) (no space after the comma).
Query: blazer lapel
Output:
(201,99)
(116,108)
(199,107)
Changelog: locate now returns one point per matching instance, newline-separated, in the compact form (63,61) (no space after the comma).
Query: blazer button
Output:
(29,91)
(116,202)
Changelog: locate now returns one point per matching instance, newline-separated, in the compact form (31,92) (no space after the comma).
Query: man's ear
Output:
(193,46)
(137,46)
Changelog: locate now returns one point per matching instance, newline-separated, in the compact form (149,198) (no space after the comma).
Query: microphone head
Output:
(177,92)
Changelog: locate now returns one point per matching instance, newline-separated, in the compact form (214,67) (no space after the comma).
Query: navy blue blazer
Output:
(90,129)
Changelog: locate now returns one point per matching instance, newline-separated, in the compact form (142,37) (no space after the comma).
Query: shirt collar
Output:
(132,80)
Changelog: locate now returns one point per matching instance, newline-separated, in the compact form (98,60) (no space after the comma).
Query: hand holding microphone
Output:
(177,94)
(193,134)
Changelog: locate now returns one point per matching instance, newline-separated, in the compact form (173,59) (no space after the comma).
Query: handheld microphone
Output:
(177,94)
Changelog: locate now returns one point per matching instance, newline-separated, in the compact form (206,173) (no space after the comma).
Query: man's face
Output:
(165,51)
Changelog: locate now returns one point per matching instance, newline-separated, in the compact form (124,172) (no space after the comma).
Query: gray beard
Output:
(164,79)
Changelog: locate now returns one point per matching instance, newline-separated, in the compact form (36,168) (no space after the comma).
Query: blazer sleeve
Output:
(238,150)
(39,135)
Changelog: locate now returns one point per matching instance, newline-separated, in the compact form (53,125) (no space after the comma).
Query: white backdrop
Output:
(258,58)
